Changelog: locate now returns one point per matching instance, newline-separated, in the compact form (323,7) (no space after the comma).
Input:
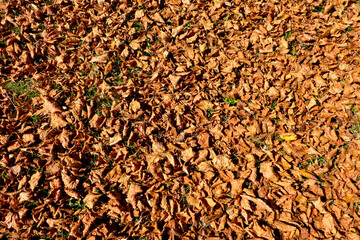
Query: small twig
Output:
(10,100)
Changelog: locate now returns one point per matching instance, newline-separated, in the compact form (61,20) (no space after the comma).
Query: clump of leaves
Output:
(138,27)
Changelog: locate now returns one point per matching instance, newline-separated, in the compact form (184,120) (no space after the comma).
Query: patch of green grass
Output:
(2,42)
(273,104)
(356,206)
(137,26)
(292,51)
(209,113)
(248,185)
(76,203)
(3,175)
(355,130)
(5,235)
(118,80)
(58,87)
(231,101)
(142,7)
(227,17)
(278,138)
(35,118)
(188,25)
(287,34)
(140,238)
(44,193)
(156,39)
(319,160)
(64,233)
(283,151)
(107,102)
(184,192)
(318,9)
(41,237)
(93,160)
(305,46)
(16,30)
(148,43)
(357,179)
(349,29)
(30,204)
(275,120)
(90,93)
(261,144)
(20,87)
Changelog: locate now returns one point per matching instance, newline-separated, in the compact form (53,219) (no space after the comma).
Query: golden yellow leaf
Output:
(288,136)
(306,174)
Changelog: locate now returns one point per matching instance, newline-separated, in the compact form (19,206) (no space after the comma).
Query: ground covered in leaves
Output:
(179,119)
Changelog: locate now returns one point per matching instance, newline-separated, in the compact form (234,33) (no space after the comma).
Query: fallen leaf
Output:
(91,199)
(135,106)
(288,136)
(100,59)
(34,180)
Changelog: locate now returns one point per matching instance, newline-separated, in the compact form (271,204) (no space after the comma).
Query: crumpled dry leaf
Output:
(69,181)
(34,180)
(91,199)
(134,189)
(135,106)
(100,59)
(187,154)
(223,162)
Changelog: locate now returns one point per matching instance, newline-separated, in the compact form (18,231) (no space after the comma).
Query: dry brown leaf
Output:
(187,154)
(260,203)
(135,106)
(174,80)
(24,196)
(91,199)
(114,140)
(69,181)
(57,121)
(134,189)
(282,226)
(34,180)
(100,59)
(211,202)
(223,162)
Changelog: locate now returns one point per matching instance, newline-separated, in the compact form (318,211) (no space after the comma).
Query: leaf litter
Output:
(179,119)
